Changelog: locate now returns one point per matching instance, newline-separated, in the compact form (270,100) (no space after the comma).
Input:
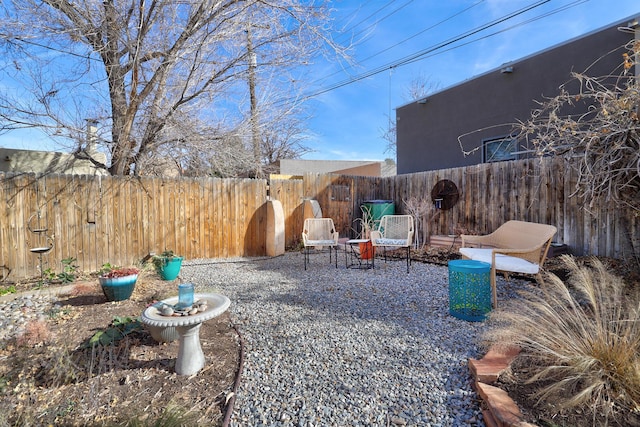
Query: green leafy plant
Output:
(69,270)
(580,343)
(49,274)
(68,274)
(7,290)
(106,267)
(119,328)
(161,260)
(57,311)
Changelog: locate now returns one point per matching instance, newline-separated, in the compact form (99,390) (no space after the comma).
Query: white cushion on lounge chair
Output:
(503,262)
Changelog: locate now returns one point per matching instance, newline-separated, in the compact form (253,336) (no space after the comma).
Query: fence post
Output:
(275,228)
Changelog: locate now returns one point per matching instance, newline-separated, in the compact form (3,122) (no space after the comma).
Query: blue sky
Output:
(348,122)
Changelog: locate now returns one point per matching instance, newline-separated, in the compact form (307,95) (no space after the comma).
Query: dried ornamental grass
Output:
(36,332)
(582,342)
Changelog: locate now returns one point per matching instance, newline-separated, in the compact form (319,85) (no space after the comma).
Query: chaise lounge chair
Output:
(515,246)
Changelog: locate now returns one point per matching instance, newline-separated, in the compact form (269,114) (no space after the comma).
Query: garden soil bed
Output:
(50,379)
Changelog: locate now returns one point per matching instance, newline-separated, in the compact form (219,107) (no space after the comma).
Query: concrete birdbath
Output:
(190,356)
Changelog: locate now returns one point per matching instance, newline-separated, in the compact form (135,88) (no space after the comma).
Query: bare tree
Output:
(419,87)
(420,209)
(283,139)
(140,67)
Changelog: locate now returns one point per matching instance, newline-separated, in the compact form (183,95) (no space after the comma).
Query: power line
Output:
(421,53)
(51,48)
(370,16)
(545,15)
(423,31)
(405,40)
(393,12)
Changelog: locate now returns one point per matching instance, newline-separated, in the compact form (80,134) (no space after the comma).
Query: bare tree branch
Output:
(140,67)
(605,139)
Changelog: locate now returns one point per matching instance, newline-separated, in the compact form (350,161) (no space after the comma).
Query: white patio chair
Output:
(394,231)
(318,233)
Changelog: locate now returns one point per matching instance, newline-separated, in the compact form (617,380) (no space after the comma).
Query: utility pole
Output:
(255,137)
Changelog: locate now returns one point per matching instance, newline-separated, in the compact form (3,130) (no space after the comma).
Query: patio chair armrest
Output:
(375,234)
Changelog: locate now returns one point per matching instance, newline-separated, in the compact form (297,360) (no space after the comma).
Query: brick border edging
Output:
(501,410)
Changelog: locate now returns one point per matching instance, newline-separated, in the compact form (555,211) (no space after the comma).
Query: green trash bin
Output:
(469,289)
(378,208)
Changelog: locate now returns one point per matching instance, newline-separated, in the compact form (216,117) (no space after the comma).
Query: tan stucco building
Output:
(298,167)
(46,162)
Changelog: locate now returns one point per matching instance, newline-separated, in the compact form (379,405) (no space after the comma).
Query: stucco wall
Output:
(345,167)
(39,162)
(430,134)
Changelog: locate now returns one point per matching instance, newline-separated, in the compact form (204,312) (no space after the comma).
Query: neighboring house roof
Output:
(42,162)
(343,167)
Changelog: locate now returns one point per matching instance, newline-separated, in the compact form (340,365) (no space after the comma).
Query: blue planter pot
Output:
(169,268)
(118,288)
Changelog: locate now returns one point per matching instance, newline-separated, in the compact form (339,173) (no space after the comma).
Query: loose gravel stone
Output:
(329,346)
(17,311)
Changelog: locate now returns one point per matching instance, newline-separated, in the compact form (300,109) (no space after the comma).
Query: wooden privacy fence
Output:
(536,190)
(120,220)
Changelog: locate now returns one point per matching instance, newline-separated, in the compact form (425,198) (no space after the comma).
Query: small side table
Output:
(353,258)
(469,289)
(190,356)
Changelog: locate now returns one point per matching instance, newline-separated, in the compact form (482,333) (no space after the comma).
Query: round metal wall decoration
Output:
(444,194)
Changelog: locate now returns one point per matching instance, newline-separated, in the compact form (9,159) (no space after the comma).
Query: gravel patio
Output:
(348,347)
